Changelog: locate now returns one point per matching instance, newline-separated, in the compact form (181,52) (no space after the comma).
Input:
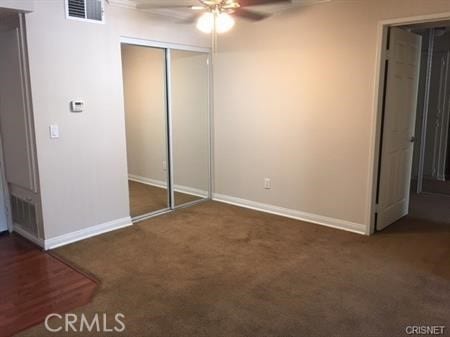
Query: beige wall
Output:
(145,111)
(83,174)
(294,99)
(293,102)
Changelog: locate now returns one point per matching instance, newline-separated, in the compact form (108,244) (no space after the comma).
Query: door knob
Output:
(412,139)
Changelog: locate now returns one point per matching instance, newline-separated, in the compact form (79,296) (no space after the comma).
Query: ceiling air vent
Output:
(86,10)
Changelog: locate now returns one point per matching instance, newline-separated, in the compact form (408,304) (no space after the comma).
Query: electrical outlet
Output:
(164,165)
(267,183)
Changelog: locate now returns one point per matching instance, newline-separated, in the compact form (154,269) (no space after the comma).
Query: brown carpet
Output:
(146,198)
(219,270)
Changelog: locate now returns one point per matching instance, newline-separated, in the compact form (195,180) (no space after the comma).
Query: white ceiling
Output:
(186,13)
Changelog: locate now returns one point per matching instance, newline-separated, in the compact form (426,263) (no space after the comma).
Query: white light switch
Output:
(54,131)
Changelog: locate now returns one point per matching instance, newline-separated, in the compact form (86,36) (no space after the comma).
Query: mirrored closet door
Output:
(190,125)
(167,109)
(144,76)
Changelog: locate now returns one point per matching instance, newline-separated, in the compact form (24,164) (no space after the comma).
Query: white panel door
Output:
(399,126)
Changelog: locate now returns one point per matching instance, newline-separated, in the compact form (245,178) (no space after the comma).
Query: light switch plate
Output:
(54,131)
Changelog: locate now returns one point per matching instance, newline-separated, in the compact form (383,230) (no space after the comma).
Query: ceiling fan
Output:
(216,16)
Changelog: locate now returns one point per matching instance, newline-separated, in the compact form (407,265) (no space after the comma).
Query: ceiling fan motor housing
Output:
(220,5)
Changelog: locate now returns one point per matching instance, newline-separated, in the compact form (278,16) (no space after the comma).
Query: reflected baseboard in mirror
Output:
(436,186)
(146,198)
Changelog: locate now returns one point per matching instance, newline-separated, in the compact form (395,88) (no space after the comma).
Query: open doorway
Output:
(430,185)
(7,20)
(20,201)
(414,115)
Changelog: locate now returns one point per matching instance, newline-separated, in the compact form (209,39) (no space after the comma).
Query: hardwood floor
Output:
(34,284)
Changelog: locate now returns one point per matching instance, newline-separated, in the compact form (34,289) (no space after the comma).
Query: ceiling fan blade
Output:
(246,3)
(191,19)
(250,15)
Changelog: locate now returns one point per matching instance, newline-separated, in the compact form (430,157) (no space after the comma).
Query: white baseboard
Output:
(178,188)
(147,181)
(293,214)
(22,232)
(192,191)
(85,233)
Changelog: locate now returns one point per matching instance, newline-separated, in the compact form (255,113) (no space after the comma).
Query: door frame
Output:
(168,48)
(378,101)
(5,190)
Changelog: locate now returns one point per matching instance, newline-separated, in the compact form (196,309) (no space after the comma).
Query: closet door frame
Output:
(168,47)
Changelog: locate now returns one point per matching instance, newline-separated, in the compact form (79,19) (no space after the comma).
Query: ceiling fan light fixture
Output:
(224,22)
(205,23)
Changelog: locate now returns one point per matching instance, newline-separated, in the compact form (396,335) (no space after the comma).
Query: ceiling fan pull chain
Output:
(214,35)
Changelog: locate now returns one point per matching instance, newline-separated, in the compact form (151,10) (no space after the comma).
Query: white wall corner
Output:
(159,9)
(122,3)
(86,233)
(22,6)
(294,214)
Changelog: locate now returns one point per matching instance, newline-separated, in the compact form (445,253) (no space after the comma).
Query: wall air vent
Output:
(86,10)
(24,214)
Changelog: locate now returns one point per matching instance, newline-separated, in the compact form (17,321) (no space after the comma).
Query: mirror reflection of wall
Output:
(146,127)
(434,113)
(190,80)
(438,114)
